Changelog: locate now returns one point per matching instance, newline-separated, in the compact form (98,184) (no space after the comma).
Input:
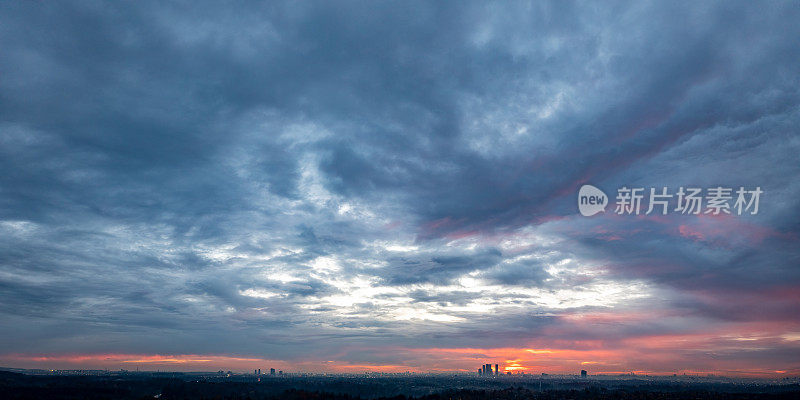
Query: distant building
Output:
(259,371)
(583,373)
(272,371)
(486,369)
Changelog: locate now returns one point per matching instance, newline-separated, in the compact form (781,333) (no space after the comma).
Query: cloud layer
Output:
(393,184)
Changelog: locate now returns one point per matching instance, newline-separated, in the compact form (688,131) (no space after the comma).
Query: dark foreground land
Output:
(188,386)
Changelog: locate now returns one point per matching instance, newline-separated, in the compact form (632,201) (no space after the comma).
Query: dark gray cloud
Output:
(438,269)
(525,272)
(193,178)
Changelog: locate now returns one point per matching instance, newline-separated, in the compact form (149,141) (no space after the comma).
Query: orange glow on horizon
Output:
(664,354)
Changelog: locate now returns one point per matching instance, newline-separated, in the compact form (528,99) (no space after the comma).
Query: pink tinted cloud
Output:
(728,230)
(601,341)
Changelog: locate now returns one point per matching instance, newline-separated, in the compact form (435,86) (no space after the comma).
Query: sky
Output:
(392,186)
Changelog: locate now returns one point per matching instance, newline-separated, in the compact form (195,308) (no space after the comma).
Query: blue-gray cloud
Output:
(200,179)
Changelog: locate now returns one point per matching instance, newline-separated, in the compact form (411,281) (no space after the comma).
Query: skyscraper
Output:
(272,371)
(486,369)
(583,373)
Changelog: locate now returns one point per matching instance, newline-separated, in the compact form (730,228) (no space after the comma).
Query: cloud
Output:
(283,182)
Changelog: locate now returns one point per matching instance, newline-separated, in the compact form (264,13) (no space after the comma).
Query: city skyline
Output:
(395,186)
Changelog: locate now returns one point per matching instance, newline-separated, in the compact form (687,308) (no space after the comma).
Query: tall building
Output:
(272,371)
(486,369)
(259,371)
(583,373)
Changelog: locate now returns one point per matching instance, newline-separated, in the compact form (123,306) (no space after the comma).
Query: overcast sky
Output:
(393,186)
